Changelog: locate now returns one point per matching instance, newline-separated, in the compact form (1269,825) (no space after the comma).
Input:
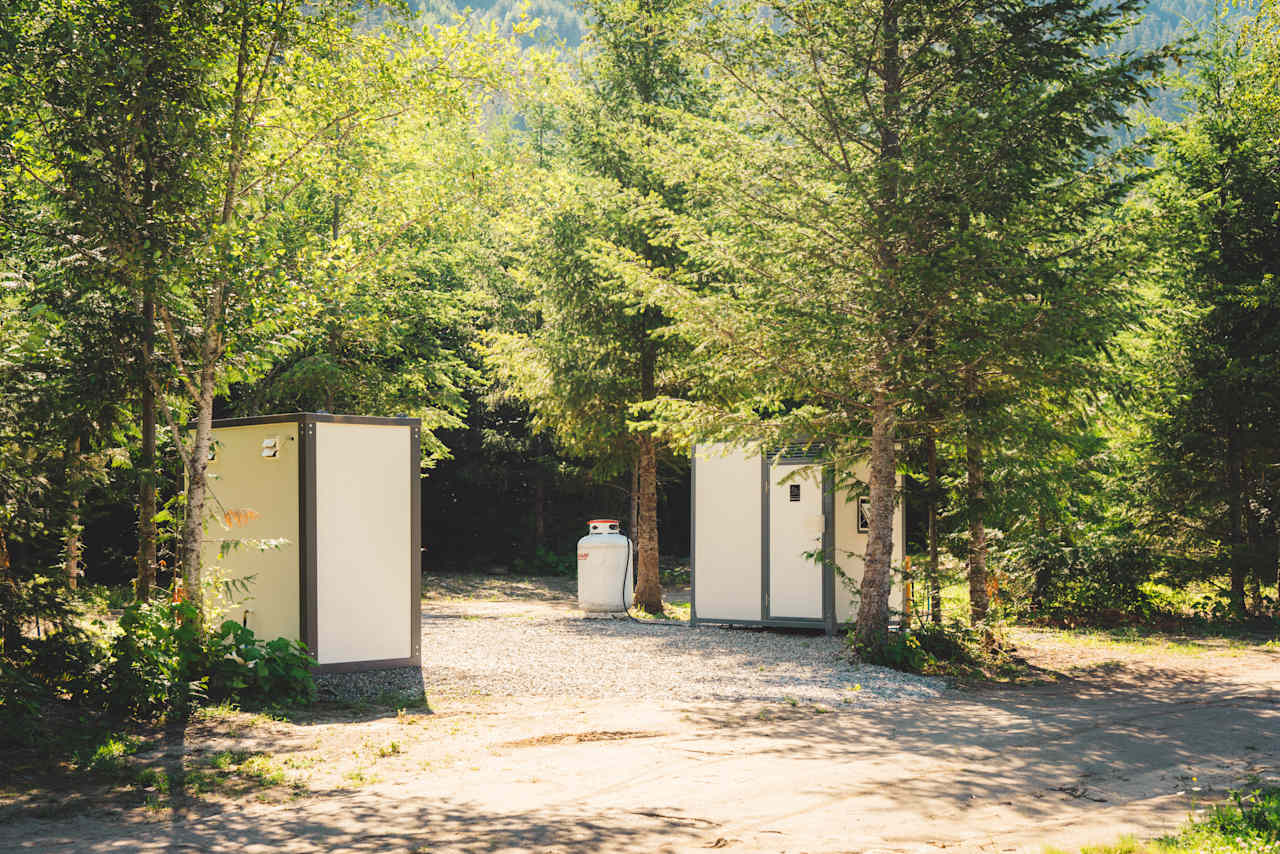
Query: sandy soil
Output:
(1129,740)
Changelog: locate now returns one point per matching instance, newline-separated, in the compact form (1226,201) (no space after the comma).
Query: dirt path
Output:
(1131,744)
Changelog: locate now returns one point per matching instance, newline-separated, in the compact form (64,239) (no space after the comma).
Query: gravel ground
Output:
(508,642)
(575,657)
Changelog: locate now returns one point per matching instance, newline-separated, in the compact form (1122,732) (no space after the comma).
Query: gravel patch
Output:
(564,655)
(398,686)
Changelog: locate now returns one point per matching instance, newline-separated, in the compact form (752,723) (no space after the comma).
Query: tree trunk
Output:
(146,557)
(10,630)
(633,523)
(197,482)
(539,509)
(648,584)
(1253,540)
(873,609)
(975,489)
(935,583)
(4,556)
(211,345)
(71,562)
(1235,502)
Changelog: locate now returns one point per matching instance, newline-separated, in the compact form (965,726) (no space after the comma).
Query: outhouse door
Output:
(794,551)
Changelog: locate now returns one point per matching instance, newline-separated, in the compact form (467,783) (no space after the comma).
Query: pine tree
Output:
(597,256)
(893,187)
(1215,228)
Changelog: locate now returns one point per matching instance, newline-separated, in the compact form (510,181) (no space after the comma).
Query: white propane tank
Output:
(604,558)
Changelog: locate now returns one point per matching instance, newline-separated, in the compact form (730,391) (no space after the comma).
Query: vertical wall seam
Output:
(764,533)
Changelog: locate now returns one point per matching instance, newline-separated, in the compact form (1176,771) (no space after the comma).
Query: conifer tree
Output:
(597,255)
(896,189)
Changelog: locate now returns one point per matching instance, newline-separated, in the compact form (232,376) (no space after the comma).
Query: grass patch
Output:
(153,778)
(671,612)
(236,772)
(1141,639)
(1249,823)
(108,756)
(359,777)
(262,769)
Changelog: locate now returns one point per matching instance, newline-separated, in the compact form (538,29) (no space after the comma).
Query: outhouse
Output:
(776,542)
(314,534)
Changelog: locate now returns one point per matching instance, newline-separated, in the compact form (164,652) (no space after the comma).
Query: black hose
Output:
(626,575)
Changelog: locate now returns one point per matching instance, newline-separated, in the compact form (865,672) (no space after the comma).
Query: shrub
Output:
(546,562)
(155,660)
(53,671)
(1096,584)
(253,672)
(899,650)
(935,650)
(1249,817)
(48,663)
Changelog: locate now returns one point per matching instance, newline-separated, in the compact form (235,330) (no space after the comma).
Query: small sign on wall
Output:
(795,492)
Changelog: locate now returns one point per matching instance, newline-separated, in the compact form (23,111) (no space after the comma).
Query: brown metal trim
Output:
(302,533)
(310,557)
(814,623)
(415,544)
(351,666)
(253,420)
(314,417)
(829,548)
(388,420)
(693,537)
(765,487)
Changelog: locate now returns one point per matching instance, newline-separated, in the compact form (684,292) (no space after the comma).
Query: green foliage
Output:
(162,662)
(49,666)
(157,663)
(899,650)
(255,673)
(545,561)
(941,650)
(154,661)
(1206,480)
(1100,583)
(1249,823)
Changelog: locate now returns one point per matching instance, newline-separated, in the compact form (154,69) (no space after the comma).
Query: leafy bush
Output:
(162,662)
(936,650)
(546,562)
(1250,820)
(1101,583)
(47,661)
(900,650)
(155,660)
(1247,824)
(253,672)
(53,671)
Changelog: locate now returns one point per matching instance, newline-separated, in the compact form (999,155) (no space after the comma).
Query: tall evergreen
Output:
(597,255)
(896,201)
(1215,232)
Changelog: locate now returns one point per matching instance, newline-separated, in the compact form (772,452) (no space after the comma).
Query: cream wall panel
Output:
(726,557)
(363,542)
(252,497)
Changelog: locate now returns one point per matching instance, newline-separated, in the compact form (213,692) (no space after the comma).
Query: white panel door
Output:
(795,529)
(363,542)
(726,536)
